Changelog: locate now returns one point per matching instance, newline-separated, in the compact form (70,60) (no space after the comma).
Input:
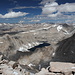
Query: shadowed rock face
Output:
(66,50)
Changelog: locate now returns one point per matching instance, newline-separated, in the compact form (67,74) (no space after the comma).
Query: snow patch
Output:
(45,24)
(1,42)
(73,67)
(59,28)
(35,33)
(31,74)
(30,65)
(22,49)
(4,23)
(0,24)
(29,44)
(66,32)
(36,43)
(53,54)
(15,73)
(47,28)
(54,25)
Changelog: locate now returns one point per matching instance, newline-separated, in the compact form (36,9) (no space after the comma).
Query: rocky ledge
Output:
(58,68)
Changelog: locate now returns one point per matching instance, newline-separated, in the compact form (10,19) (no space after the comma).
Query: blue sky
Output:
(37,11)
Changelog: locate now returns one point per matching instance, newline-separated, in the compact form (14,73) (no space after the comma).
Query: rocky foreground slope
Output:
(32,47)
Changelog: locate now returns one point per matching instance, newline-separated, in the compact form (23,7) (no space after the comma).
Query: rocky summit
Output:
(37,49)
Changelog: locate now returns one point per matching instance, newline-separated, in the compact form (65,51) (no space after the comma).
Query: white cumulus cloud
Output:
(68,7)
(13,14)
(49,8)
(53,9)
(47,1)
(54,15)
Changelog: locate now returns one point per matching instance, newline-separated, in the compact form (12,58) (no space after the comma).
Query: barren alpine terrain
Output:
(37,49)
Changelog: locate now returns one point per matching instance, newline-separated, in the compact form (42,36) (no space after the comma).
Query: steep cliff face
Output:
(66,50)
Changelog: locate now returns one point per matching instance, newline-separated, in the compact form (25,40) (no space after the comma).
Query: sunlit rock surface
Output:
(33,46)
